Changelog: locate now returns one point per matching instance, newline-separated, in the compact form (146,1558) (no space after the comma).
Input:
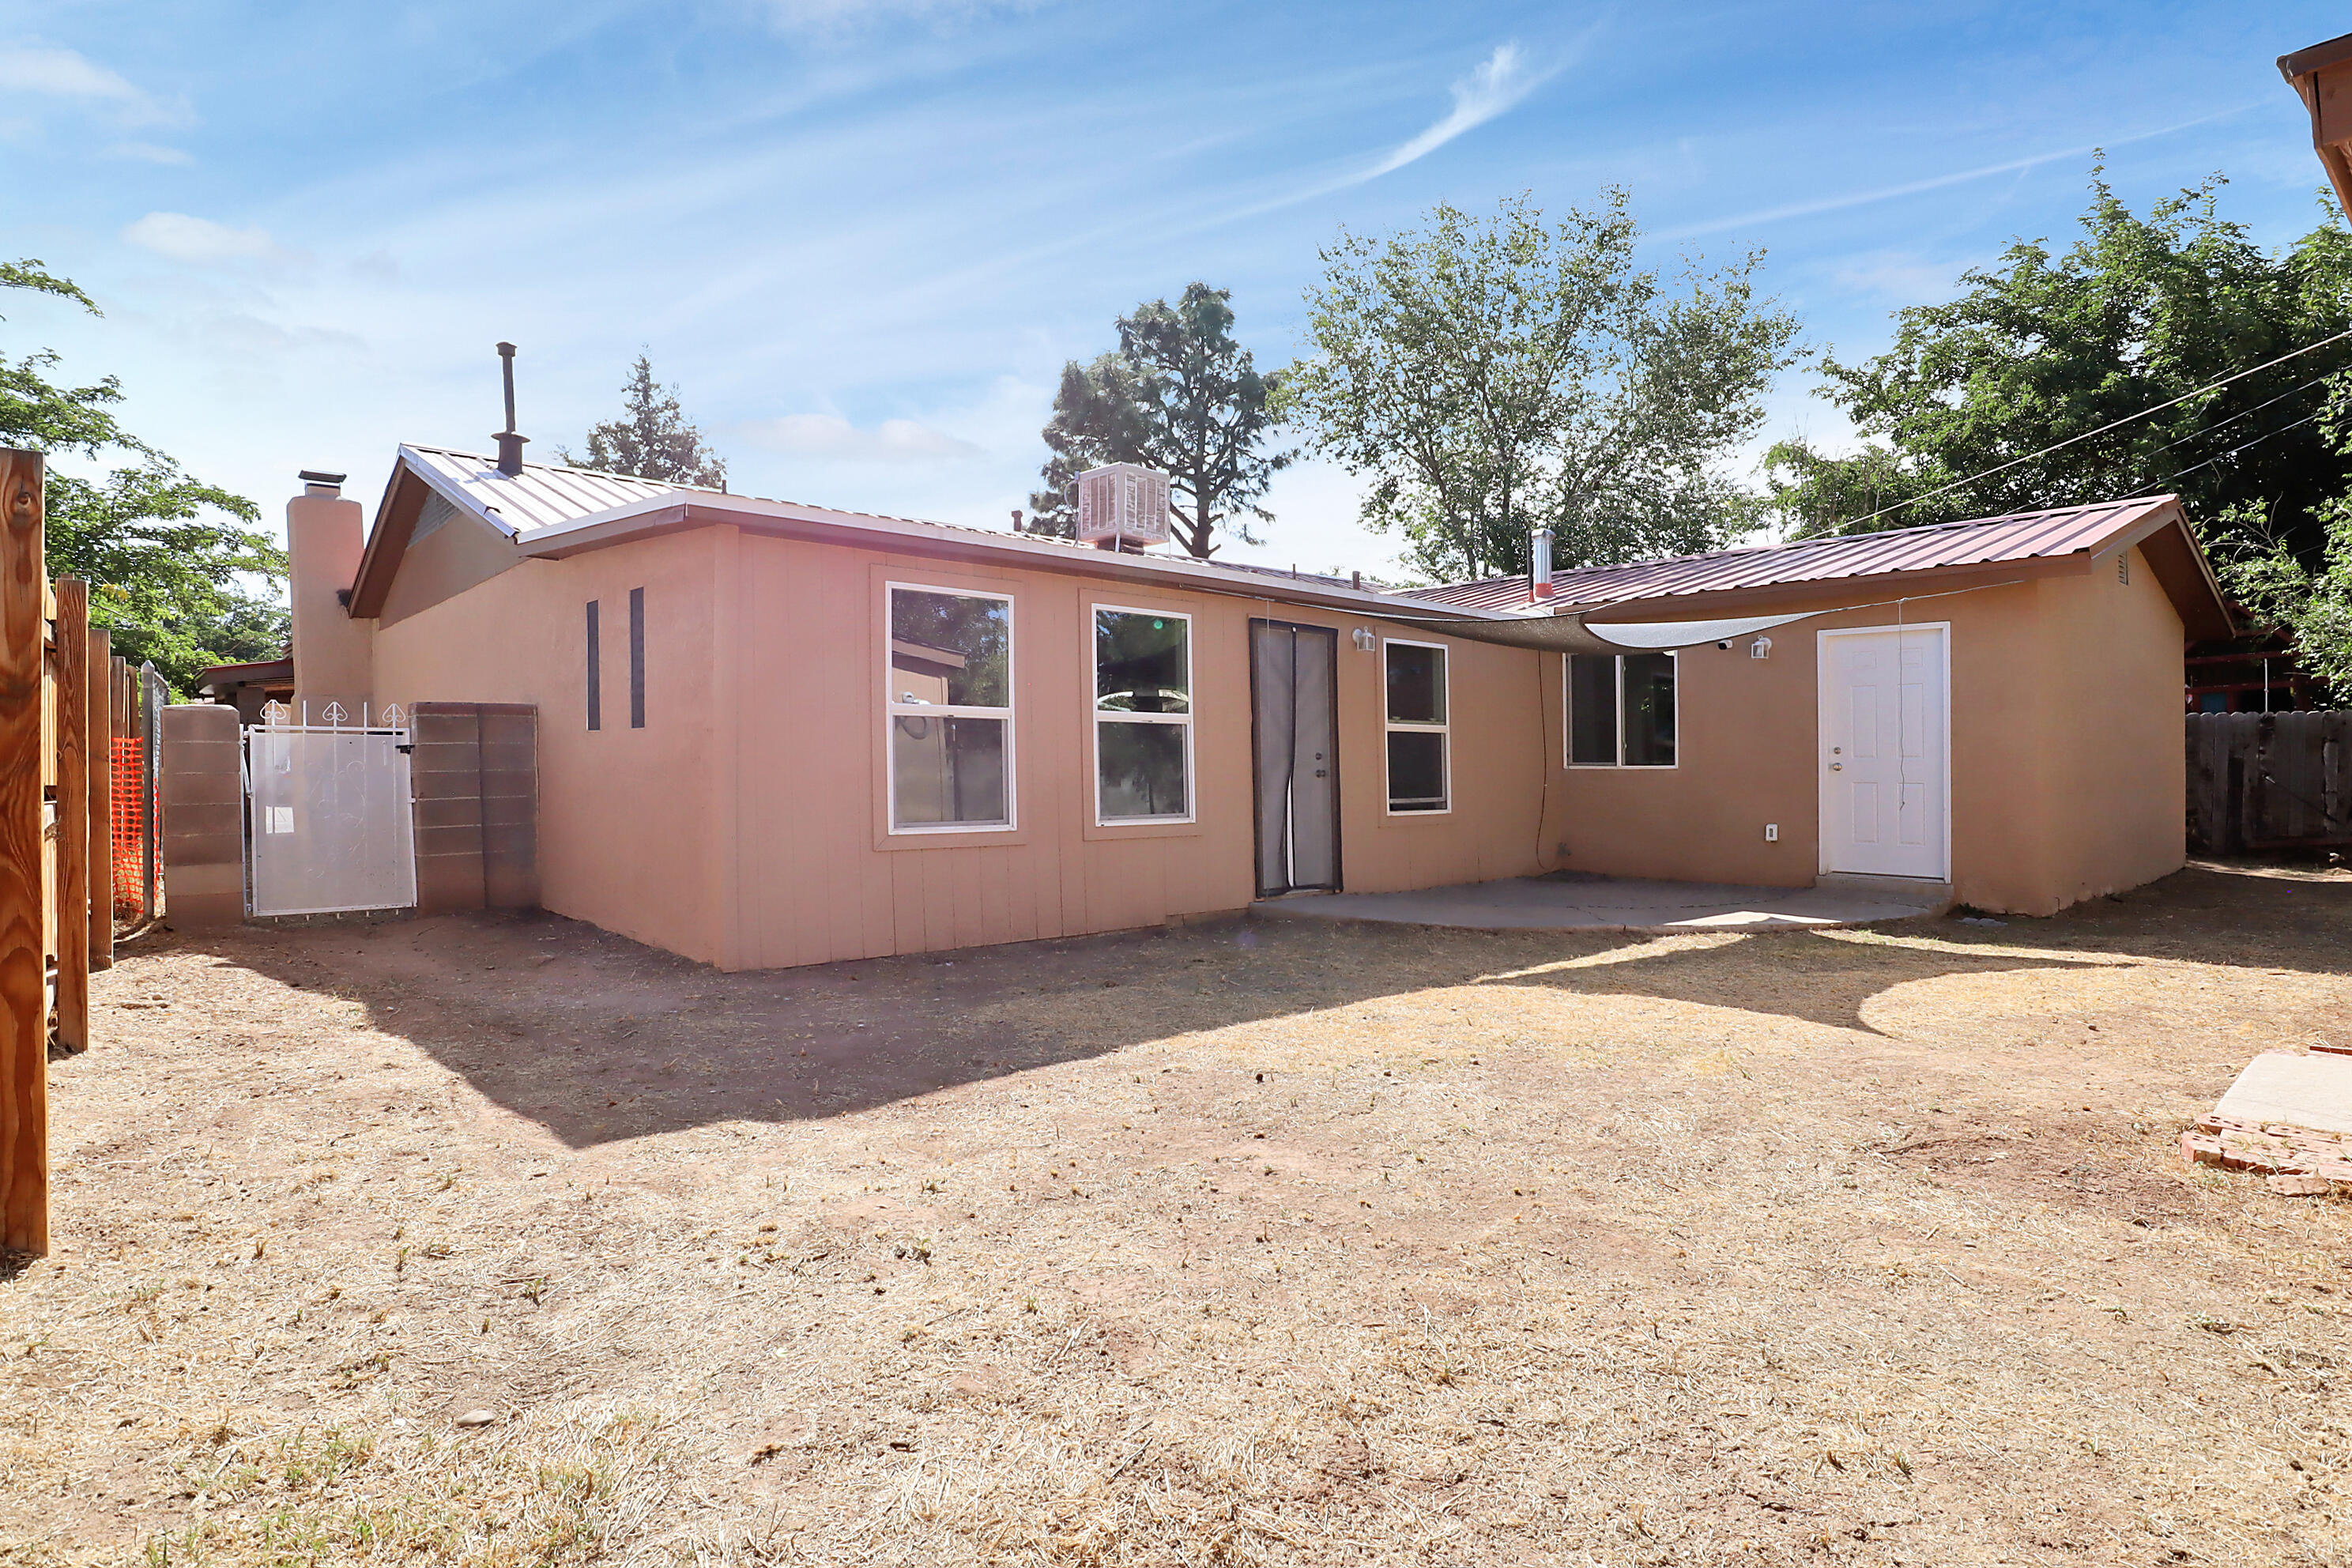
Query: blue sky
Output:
(862,236)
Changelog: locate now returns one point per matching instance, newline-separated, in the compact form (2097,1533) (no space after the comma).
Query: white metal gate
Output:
(328,826)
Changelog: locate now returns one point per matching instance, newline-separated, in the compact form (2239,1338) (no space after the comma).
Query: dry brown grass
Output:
(1268,1243)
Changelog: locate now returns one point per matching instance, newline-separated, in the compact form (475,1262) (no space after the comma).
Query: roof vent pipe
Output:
(509,444)
(1539,565)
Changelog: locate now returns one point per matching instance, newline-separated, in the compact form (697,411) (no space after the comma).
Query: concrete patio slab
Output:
(2313,1091)
(1609,903)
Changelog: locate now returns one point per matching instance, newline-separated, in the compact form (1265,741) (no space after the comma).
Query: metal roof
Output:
(541,495)
(1983,542)
(548,500)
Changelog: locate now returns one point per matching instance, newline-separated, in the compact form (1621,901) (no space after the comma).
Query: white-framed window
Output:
(1621,710)
(948,709)
(1143,715)
(1420,769)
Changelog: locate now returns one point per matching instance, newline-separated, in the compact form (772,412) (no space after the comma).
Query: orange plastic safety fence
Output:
(129,825)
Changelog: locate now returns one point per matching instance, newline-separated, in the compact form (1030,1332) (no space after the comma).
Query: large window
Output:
(951,710)
(1143,716)
(1621,710)
(1416,727)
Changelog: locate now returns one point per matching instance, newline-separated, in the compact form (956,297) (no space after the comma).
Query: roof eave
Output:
(2170,547)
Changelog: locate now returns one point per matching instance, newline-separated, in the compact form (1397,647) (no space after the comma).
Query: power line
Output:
(2111,424)
(2244,412)
(2224,457)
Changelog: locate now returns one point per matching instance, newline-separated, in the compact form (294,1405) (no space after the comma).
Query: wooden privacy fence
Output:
(55,824)
(2269,781)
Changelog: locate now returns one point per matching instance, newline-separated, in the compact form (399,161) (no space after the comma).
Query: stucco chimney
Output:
(334,656)
(1540,568)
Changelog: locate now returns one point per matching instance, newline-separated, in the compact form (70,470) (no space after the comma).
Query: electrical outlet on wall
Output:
(1771,832)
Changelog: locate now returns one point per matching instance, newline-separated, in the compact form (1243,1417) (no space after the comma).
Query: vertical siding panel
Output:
(907,933)
(975,871)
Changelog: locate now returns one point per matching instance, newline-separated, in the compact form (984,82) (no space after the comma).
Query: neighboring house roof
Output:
(2020,538)
(258,672)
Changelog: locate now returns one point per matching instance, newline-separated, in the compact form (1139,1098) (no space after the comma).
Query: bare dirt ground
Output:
(1262,1243)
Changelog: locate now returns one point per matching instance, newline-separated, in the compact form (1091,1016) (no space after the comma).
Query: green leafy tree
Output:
(169,558)
(2306,593)
(2047,346)
(1180,396)
(651,439)
(1491,374)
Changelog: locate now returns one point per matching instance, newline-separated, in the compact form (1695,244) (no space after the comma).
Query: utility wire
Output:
(2243,413)
(2111,424)
(2224,457)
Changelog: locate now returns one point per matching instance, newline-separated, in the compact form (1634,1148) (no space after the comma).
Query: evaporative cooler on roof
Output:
(1123,504)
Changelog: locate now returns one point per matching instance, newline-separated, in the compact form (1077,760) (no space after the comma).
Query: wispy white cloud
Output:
(837,17)
(831,439)
(71,76)
(201,242)
(1902,275)
(1495,88)
(1935,183)
(150,152)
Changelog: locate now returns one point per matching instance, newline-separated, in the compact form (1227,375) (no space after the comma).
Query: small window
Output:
(1621,710)
(637,658)
(596,673)
(1143,716)
(950,710)
(1416,727)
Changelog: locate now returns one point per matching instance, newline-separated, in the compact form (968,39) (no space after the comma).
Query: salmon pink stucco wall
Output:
(747,825)
(628,839)
(2065,769)
(820,876)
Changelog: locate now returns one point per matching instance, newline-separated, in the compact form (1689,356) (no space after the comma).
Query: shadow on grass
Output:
(597,1038)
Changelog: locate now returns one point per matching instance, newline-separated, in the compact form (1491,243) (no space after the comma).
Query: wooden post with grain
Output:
(24,989)
(101,799)
(73,877)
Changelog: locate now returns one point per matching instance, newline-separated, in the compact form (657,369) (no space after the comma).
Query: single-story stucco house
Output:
(774,734)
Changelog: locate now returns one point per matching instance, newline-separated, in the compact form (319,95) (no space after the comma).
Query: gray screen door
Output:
(1296,736)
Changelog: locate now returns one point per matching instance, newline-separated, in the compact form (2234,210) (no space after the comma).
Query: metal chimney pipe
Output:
(1539,565)
(509,443)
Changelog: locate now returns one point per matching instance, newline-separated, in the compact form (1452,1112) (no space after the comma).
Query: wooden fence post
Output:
(101,799)
(24,985)
(73,813)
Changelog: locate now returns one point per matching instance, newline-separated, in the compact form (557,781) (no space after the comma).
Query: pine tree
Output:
(651,439)
(1180,395)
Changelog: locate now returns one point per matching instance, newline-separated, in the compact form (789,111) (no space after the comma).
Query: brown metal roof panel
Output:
(2022,536)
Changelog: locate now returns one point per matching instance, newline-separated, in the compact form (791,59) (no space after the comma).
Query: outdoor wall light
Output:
(1760,648)
(1365,640)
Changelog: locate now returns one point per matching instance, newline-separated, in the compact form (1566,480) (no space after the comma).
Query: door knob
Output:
(1837,767)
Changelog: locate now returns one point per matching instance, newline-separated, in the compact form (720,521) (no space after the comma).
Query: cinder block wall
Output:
(204,817)
(474,774)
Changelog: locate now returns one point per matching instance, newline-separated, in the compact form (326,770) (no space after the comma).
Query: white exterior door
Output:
(1885,742)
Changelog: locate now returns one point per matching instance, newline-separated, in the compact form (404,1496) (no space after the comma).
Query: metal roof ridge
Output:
(486,458)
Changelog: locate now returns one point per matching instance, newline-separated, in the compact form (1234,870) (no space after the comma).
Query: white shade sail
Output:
(1568,631)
